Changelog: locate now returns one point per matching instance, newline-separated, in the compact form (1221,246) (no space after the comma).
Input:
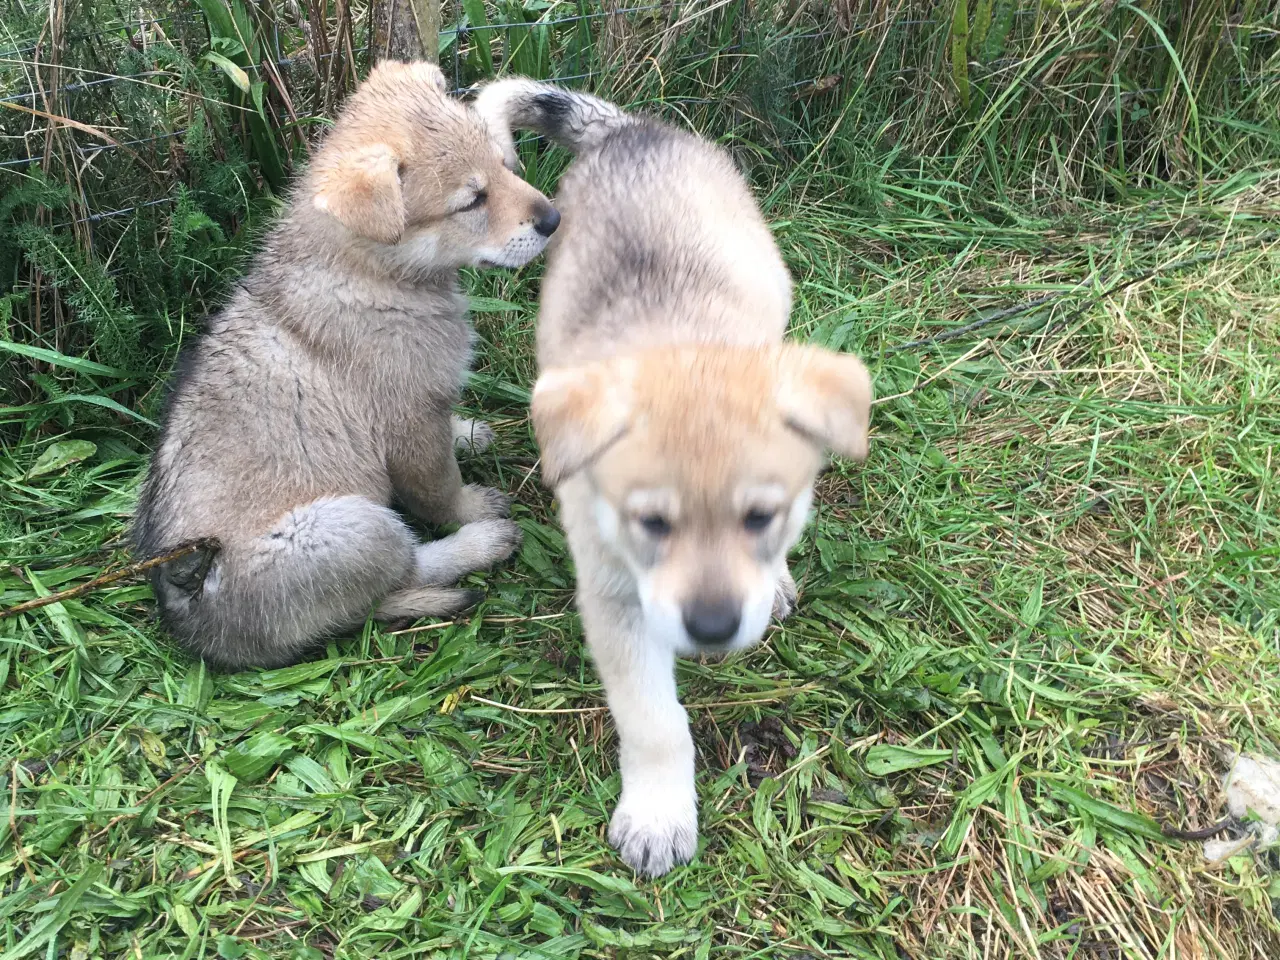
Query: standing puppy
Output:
(682,436)
(323,391)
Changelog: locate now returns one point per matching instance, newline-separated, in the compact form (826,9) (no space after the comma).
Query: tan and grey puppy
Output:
(681,434)
(322,393)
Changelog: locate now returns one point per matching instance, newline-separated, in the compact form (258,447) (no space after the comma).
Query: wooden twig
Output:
(1205,833)
(106,578)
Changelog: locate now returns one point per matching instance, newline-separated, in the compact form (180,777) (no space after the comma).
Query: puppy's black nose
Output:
(547,222)
(712,621)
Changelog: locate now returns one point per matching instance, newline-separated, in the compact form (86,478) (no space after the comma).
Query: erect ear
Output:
(430,74)
(361,190)
(827,397)
(579,412)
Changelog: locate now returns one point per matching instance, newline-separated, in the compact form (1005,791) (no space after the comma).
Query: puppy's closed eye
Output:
(476,202)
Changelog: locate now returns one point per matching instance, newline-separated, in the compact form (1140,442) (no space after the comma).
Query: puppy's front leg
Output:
(655,825)
(426,479)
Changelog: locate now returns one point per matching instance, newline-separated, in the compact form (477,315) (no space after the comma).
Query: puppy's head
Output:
(414,179)
(701,463)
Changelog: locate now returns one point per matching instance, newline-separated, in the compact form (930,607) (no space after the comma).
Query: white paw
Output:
(470,436)
(654,831)
(784,597)
(487,542)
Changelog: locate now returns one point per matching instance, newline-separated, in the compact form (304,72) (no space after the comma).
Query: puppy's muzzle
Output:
(712,621)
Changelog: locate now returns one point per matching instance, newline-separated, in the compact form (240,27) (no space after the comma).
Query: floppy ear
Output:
(827,397)
(361,190)
(579,412)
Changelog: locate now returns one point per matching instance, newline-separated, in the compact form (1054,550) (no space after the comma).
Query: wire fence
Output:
(458,43)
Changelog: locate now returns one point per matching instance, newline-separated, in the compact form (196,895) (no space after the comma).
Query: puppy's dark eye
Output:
(756,520)
(656,525)
(476,203)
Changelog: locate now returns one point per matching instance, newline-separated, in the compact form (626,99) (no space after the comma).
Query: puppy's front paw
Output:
(470,436)
(655,831)
(784,597)
(482,503)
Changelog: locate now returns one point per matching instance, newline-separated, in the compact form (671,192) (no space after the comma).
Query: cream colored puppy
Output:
(681,434)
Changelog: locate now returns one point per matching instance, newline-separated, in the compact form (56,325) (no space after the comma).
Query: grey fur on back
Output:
(662,238)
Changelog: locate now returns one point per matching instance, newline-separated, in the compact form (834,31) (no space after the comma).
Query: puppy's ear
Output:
(430,74)
(361,190)
(417,71)
(579,412)
(826,397)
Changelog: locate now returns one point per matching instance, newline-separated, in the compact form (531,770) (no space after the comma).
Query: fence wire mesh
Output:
(118,112)
(99,79)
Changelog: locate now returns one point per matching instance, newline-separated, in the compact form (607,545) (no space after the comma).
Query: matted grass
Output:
(1032,630)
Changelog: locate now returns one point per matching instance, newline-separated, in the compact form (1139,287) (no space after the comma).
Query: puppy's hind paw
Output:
(490,541)
(654,833)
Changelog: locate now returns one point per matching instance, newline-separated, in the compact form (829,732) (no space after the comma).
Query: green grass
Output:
(1033,628)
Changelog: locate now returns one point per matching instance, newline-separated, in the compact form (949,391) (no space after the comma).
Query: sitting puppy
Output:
(681,435)
(323,391)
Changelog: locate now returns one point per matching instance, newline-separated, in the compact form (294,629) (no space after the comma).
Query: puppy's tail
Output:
(576,121)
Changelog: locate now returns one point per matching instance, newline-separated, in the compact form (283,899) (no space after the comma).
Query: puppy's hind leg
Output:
(415,603)
(319,570)
(476,546)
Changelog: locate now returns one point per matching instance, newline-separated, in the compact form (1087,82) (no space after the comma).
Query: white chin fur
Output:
(664,624)
(516,252)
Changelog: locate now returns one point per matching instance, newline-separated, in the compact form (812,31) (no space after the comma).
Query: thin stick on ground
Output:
(107,578)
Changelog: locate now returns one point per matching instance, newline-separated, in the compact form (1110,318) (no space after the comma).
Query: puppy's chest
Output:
(422,349)
(419,362)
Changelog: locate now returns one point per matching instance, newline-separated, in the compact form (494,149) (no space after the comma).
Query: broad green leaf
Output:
(236,73)
(981,23)
(884,759)
(292,676)
(221,786)
(493,305)
(1034,604)
(997,33)
(485,385)
(257,91)
(253,759)
(1124,820)
(479,37)
(44,932)
(61,454)
(599,882)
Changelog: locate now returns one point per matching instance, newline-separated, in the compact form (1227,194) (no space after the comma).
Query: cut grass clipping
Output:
(1035,629)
